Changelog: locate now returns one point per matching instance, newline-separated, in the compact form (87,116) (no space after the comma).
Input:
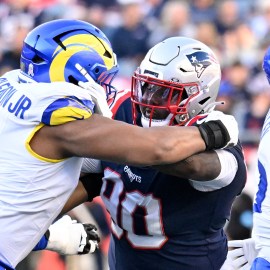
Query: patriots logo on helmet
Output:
(200,61)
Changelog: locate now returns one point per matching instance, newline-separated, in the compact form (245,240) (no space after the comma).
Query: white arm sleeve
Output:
(91,165)
(228,170)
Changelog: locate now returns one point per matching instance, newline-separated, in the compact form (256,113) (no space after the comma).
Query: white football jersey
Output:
(261,208)
(34,189)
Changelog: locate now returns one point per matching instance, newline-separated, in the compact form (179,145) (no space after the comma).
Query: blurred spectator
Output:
(102,3)
(203,11)
(238,42)
(225,95)
(227,16)
(152,11)
(234,82)
(174,21)
(14,30)
(246,46)
(236,76)
(253,119)
(207,33)
(62,9)
(129,41)
(260,20)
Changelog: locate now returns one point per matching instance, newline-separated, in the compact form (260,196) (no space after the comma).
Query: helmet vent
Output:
(57,39)
(37,59)
(204,100)
(107,54)
(183,70)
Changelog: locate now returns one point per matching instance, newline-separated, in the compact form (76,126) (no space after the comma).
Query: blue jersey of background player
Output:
(172,216)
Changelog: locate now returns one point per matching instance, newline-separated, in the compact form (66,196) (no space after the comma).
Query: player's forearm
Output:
(119,142)
(88,188)
(203,166)
(105,139)
(78,197)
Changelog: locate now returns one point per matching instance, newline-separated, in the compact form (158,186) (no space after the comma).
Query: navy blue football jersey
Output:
(160,221)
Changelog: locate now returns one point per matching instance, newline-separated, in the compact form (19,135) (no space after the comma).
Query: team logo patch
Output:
(200,61)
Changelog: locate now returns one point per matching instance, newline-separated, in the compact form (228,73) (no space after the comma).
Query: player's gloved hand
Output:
(243,254)
(218,130)
(97,93)
(68,237)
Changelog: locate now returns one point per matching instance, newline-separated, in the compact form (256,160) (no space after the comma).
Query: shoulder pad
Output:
(67,109)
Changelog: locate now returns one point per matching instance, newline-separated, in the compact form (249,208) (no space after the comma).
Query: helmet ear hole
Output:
(96,70)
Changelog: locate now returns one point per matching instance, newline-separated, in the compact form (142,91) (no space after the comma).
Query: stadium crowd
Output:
(237,30)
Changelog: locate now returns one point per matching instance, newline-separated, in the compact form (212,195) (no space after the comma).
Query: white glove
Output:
(68,237)
(243,254)
(97,93)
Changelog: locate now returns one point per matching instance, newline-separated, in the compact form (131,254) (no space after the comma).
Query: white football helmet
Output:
(178,79)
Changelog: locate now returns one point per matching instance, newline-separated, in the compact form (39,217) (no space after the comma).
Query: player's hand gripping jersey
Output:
(162,222)
(24,109)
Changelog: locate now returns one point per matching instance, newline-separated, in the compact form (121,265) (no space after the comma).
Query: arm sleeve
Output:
(91,165)
(228,171)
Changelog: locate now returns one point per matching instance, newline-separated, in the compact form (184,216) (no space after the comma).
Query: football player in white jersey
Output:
(254,253)
(49,120)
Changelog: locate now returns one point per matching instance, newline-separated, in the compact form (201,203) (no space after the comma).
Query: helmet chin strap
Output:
(155,123)
(165,122)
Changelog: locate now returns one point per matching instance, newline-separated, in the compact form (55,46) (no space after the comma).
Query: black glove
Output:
(92,239)
(217,129)
(214,134)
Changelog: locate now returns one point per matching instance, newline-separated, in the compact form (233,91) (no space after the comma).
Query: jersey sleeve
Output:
(67,109)
(233,169)
(118,103)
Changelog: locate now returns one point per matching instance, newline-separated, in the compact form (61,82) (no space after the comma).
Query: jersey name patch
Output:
(8,98)
(132,176)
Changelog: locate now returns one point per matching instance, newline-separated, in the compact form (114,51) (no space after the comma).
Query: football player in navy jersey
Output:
(53,113)
(171,216)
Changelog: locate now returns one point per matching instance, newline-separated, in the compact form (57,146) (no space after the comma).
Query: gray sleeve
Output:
(91,165)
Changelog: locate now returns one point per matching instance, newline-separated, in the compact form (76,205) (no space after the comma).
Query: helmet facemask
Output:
(182,76)
(160,102)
